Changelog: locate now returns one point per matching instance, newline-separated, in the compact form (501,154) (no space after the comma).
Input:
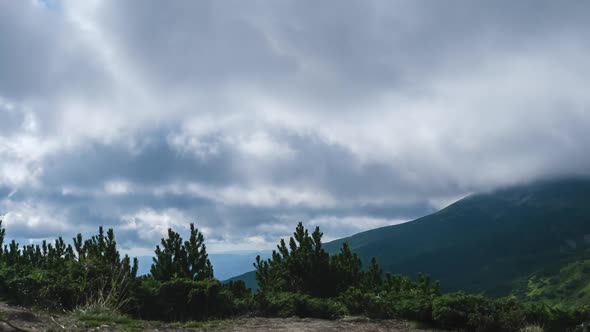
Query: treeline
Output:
(300,279)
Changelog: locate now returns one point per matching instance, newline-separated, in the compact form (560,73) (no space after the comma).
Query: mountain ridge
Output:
(489,242)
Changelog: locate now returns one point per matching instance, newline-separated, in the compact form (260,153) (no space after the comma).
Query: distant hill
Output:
(497,243)
(249,278)
(228,264)
(487,242)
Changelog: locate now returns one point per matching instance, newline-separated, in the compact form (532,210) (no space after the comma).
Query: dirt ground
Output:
(313,325)
(21,319)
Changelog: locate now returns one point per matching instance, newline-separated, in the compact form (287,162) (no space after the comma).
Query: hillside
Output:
(486,242)
(491,242)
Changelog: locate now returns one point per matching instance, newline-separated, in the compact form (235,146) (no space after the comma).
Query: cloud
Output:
(247,117)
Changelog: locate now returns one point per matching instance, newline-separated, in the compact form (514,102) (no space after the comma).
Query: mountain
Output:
(508,240)
(487,242)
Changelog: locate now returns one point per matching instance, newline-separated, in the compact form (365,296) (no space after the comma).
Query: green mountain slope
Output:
(488,242)
(527,239)
(566,283)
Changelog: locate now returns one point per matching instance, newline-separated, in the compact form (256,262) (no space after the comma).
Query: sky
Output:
(246,117)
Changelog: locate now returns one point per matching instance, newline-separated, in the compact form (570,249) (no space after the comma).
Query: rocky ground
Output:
(21,319)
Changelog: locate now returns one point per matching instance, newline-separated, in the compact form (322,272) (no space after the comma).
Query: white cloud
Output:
(33,219)
(260,195)
(151,225)
(117,187)
(261,145)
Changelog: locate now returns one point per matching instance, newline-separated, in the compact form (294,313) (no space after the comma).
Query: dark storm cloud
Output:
(153,161)
(338,170)
(5,191)
(247,117)
(23,60)
(219,42)
(40,58)
(11,120)
(328,51)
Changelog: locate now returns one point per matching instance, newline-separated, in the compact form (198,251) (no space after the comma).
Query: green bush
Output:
(285,304)
(281,304)
(183,299)
(59,276)
(418,308)
(557,317)
(476,312)
(239,298)
(359,302)
(321,308)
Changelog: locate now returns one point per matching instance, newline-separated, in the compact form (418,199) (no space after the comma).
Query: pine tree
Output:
(178,259)
(347,268)
(305,267)
(372,277)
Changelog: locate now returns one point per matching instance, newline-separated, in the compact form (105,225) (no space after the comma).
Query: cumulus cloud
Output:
(246,117)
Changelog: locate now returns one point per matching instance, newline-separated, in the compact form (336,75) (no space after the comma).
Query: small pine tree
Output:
(305,267)
(198,260)
(178,259)
(347,268)
(372,277)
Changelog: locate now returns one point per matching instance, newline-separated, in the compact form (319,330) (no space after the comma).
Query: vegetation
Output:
(57,275)
(188,260)
(305,267)
(95,318)
(302,279)
(569,281)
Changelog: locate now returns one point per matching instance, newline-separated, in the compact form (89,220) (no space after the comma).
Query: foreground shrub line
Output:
(300,279)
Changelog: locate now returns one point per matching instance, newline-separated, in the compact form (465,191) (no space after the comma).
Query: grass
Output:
(96,318)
